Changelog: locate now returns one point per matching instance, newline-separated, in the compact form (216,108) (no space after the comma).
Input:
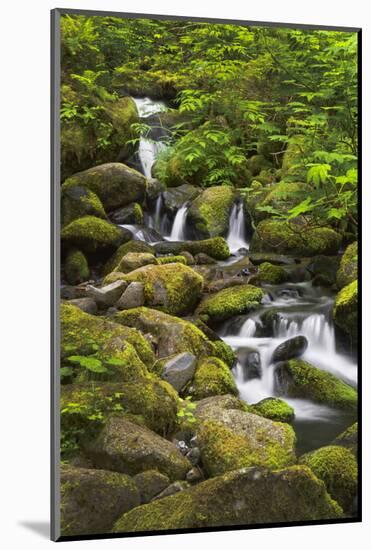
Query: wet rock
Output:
(267,321)
(274,409)
(154,189)
(249,359)
(175,197)
(130,214)
(179,370)
(229,302)
(209,212)
(92,500)
(345,310)
(348,269)
(126,447)
(294,347)
(216,247)
(194,456)
(204,259)
(348,438)
(258,258)
(133,296)
(85,304)
(77,201)
(107,295)
(323,270)
(150,484)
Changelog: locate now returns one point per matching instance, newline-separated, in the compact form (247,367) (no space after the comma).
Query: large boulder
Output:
(175,197)
(216,247)
(212,377)
(274,409)
(76,267)
(229,302)
(297,378)
(92,500)
(132,297)
(230,439)
(130,246)
(115,184)
(293,347)
(92,234)
(345,310)
(107,295)
(130,214)
(348,269)
(78,201)
(349,438)
(337,468)
(126,447)
(179,369)
(250,496)
(296,238)
(134,260)
(323,270)
(209,213)
(272,274)
(150,484)
(172,288)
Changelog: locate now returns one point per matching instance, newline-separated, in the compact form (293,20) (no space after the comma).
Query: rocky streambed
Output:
(208,366)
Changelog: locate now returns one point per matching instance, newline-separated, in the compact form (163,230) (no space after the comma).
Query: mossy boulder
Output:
(172,260)
(348,269)
(230,439)
(209,212)
(212,377)
(275,409)
(77,201)
(296,238)
(349,438)
(115,184)
(323,270)
(337,468)
(297,378)
(229,302)
(250,496)
(257,163)
(345,310)
(158,84)
(175,197)
(92,234)
(135,260)
(76,267)
(150,483)
(170,335)
(172,288)
(123,350)
(272,274)
(130,214)
(130,246)
(216,247)
(126,447)
(92,500)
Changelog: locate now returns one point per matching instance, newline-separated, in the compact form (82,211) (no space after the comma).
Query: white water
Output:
(236,238)
(179,224)
(148,149)
(154,220)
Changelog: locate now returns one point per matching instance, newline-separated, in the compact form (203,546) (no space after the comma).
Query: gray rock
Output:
(194,456)
(150,484)
(175,197)
(85,304)
(294,347)
(182,446)
(175,487)
(133,296)
(70,292)
(250,362)
(203,259)
(194,476)
(130,214)
(179,370)
(107,295)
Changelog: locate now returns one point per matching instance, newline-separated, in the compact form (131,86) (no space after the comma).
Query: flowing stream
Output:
(236,238)
(149,149)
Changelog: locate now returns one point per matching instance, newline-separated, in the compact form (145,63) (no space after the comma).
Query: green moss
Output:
(209,213)
(272,274)
(76,267)
(135,260)
(212,377)
(171,260)
(295,238)
(77,202)
(158,84)
(337,468)
(274,409)
(300,379)
(349,438)
(92,234)
(348,269)
(229,302)
(130,246)
(345,311)
(216,247)
(224,352)
(257,163)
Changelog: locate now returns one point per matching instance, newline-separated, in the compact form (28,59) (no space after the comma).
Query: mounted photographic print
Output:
(205,219)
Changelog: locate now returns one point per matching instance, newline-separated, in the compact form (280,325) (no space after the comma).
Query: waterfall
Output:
(179,225)
(149,149)
(154,219)
(236,238)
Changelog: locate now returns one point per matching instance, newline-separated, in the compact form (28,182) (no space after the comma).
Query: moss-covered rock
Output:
(158,84)
(275,409)
(130,214)
(175,197)
(172,260)
(135,260)
(262,203)
(130,246)
(216,247)
(349,438)
(272,274)
(150,483)
(169,334)
(294,238)
(297,378)
(76,268)
(225,352)
(345,310)
(212,377)
(77,201)
(229,302)
(257,163)
(251,496)
(173,288)
(91,234)
(92,500)
(209,213)
(348,269)
(126,447)
(337,468)
(115,184)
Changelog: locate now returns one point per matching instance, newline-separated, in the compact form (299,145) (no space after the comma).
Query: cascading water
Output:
(179,225)
(236,238)
(154,218)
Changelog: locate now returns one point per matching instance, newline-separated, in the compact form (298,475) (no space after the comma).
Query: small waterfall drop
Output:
(179,225)
(154,219)
(236,238)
